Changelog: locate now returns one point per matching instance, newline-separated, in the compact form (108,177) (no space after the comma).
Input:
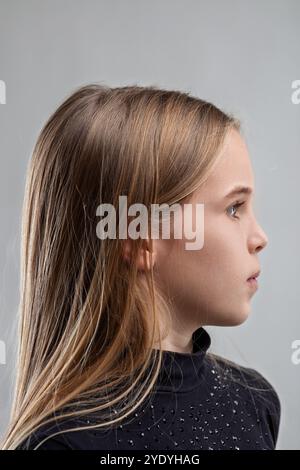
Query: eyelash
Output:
(236,204)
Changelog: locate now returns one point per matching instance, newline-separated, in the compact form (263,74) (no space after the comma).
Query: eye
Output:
(235,205)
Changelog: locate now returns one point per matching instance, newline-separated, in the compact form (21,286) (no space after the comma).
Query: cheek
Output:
(223,245)
(214,272)
(209,272)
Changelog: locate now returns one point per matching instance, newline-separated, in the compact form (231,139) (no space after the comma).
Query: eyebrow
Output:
(239,190)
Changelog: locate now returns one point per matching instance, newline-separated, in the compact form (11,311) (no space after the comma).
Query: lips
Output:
(254,275)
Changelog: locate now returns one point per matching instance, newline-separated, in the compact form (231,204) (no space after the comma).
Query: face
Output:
(209,286)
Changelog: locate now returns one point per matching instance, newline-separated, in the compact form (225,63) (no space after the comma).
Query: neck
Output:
(178,340)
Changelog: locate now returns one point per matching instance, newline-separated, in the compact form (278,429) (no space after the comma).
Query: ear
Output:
(143,259)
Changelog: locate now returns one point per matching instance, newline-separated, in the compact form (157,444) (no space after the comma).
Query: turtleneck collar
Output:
(182,371)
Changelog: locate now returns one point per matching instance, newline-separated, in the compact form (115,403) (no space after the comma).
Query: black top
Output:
(195,405)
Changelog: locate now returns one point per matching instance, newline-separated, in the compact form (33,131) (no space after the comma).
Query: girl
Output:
(113,353)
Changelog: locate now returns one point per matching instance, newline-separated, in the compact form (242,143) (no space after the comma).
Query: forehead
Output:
(232,169)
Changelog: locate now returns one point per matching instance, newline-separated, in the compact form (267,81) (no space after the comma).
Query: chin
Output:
(233,319)
(239,318)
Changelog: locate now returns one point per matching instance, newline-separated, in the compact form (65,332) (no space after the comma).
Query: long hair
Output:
(88,321)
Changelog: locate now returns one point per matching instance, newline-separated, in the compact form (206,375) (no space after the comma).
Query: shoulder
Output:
(255,388)
(248,377)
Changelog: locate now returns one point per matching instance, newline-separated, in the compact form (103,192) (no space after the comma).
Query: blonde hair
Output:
(87,321)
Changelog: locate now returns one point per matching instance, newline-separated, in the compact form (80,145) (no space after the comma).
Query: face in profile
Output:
(209,286)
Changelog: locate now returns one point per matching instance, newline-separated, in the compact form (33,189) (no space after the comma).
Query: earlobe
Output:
(143,259)
(126,251)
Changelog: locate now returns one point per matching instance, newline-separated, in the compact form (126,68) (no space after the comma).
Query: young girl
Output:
(113,353)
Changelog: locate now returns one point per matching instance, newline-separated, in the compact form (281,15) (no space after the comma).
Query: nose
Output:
(258,239)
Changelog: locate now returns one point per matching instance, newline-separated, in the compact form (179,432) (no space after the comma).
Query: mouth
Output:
(252,280)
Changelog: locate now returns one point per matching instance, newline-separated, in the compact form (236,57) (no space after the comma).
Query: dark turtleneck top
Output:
(200,401)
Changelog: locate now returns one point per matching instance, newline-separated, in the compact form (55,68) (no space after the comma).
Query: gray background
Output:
(243,56)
